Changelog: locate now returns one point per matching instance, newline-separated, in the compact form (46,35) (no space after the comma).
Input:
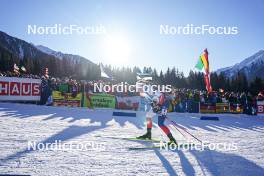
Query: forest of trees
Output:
(35,63)
(195,80)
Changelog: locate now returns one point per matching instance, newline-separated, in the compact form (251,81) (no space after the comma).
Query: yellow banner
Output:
(66,99)
(222,107)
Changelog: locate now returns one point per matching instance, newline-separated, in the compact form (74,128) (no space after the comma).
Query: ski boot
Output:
(172,140)
(146,135)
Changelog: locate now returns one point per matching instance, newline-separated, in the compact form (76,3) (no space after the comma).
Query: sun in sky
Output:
(117,49)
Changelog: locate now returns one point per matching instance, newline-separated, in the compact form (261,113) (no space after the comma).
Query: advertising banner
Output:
(129,103)
(260,105)
(19,89)
(66,99)
(101,100)
(236,108)
(222,107)
(207,108)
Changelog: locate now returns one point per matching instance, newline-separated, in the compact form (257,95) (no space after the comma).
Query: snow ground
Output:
(20,124)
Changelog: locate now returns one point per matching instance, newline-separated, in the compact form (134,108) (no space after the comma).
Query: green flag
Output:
(199,64)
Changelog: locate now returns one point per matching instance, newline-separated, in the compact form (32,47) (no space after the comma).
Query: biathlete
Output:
(159,105)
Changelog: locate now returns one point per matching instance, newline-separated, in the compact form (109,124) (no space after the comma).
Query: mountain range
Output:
(37,57)
(251,67)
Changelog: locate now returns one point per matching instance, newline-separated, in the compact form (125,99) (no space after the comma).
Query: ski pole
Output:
(179,130)
(176,128)
(175,124)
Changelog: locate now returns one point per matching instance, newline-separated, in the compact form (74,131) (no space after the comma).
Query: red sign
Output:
(4,88)
(130,103)
(12,88)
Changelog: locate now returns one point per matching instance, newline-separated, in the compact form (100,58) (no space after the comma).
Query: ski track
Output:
(21,123)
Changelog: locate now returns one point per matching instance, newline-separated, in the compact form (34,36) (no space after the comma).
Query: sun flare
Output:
(117,49)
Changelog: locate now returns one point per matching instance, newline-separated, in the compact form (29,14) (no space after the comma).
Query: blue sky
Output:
(138,23)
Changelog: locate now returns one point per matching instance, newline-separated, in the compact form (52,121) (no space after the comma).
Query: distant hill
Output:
(252,67)
(37,58)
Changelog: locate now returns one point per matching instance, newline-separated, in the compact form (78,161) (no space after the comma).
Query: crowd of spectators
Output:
(186,100)
(183,100)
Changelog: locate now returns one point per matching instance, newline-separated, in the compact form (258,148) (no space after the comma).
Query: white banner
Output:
(19,89)
(128,102)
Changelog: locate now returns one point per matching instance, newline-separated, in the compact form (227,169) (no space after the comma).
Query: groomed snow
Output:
(20,124)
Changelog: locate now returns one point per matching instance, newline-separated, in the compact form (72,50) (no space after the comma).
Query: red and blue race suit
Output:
(163,105)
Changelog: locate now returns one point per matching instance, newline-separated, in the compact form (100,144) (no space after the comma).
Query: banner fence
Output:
(26,89)
(19,89)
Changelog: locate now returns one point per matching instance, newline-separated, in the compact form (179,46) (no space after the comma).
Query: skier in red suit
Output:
(159,106)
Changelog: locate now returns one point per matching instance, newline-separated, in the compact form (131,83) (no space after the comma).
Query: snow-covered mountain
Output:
(252,67)
(17,47)
(21,49)
(36,58)
(49,51)
(60,55)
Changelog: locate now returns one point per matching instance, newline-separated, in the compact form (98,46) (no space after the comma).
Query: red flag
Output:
(207,83)
(207,72)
